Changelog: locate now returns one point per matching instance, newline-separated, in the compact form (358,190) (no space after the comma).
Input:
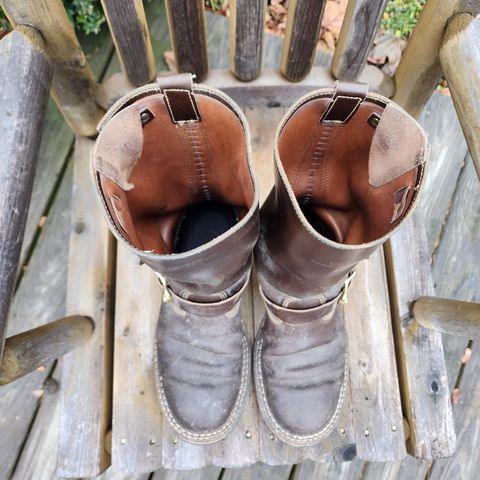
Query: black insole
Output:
(316,223)
(201,223)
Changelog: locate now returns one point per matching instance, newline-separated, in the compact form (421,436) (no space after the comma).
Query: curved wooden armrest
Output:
(29,350)
(448,316)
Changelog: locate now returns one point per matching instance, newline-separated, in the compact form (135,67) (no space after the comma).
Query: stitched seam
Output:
(195,141)
(360,100)
(233,415)
(322,147)
(167,101)
(296,438)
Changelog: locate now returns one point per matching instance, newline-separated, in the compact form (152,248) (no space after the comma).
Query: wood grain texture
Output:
(445,161)
(207,473)
(39,299)
(73,85)
(460,60)
(422,371)
(247,18)
(304,20)
(329,471)
(407,469)
(27,351)
(57,142)
(86,377)
(186,21)
(419,70)
(360,24)
(137,419)
(377,411)
(25,82)
(272,90)
(448,316)
(129,28)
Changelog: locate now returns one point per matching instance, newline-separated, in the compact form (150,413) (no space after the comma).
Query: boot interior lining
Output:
(191,183)
(327,165)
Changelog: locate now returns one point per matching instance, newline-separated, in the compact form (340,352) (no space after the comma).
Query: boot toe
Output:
(203,373)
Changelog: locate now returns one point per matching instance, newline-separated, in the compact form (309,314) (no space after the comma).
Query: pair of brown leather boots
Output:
(173,168)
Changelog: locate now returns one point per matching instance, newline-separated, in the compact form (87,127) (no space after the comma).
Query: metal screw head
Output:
(123,441)
(341,430)
(272,436)
(175,441)
(152,441)
(366,432)
(394,428)
(248,434)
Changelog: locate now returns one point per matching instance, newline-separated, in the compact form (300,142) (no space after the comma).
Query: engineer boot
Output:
(172,167)
(348,168)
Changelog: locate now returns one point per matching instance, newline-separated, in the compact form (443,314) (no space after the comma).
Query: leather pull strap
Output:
(179,98)
(345,101)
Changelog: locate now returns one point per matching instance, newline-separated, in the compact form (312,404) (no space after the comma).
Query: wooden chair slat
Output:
(86,372)
(376,404)
(186,22)
(73,85)
(24,88)
(460,59)
(247,18)
(419,70)
(360,24)
(304,20)
(420,359)
(130,34)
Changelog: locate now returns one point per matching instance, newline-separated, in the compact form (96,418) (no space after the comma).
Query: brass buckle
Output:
(346,286)
(167,296)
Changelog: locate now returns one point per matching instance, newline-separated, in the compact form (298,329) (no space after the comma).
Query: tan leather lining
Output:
(181,163)
(328,164)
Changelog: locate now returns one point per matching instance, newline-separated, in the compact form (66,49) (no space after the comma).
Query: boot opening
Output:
(171,186)
(354,181)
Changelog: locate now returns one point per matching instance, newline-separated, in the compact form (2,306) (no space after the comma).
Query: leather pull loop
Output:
(179,97)
(345,101)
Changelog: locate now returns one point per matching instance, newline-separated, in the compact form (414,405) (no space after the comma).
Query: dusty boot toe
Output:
(203,369)
(300,372)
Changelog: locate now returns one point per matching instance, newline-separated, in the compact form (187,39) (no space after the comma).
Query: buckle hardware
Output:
(346,286)
(167,296)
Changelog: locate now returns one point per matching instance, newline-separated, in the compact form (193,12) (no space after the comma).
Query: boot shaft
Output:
(164,152)
(348,169)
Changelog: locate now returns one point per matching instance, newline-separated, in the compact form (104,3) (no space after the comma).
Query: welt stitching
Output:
(195,143)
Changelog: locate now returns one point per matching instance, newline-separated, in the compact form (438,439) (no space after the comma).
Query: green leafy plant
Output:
(401,16)
(215,5)
(86,15)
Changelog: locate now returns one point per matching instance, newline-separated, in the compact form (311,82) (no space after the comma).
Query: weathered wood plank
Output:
(448,316)
(137,419)
(421,365)
(207,473)
(407,469)
(39,455)
(25,84)
(73,85)
(329,471)
(27,351)
(445,161)
(419,70)
(186,21)
(377,411)
(460,59)
(304,20)
(247,19)
(57,142)
(86,376)
(40,298)
(258,471)
(360,24)
(455,264)
(130,34)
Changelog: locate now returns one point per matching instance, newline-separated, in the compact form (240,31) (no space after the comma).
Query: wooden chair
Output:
(398,400)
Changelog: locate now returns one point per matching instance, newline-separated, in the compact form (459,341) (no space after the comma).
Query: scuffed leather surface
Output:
(203,366)
(299,369)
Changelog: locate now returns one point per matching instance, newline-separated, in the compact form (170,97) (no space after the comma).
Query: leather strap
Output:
(345,101)
(180,100)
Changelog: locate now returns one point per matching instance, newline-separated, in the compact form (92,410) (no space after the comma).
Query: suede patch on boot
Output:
(119,146)
(398,146)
